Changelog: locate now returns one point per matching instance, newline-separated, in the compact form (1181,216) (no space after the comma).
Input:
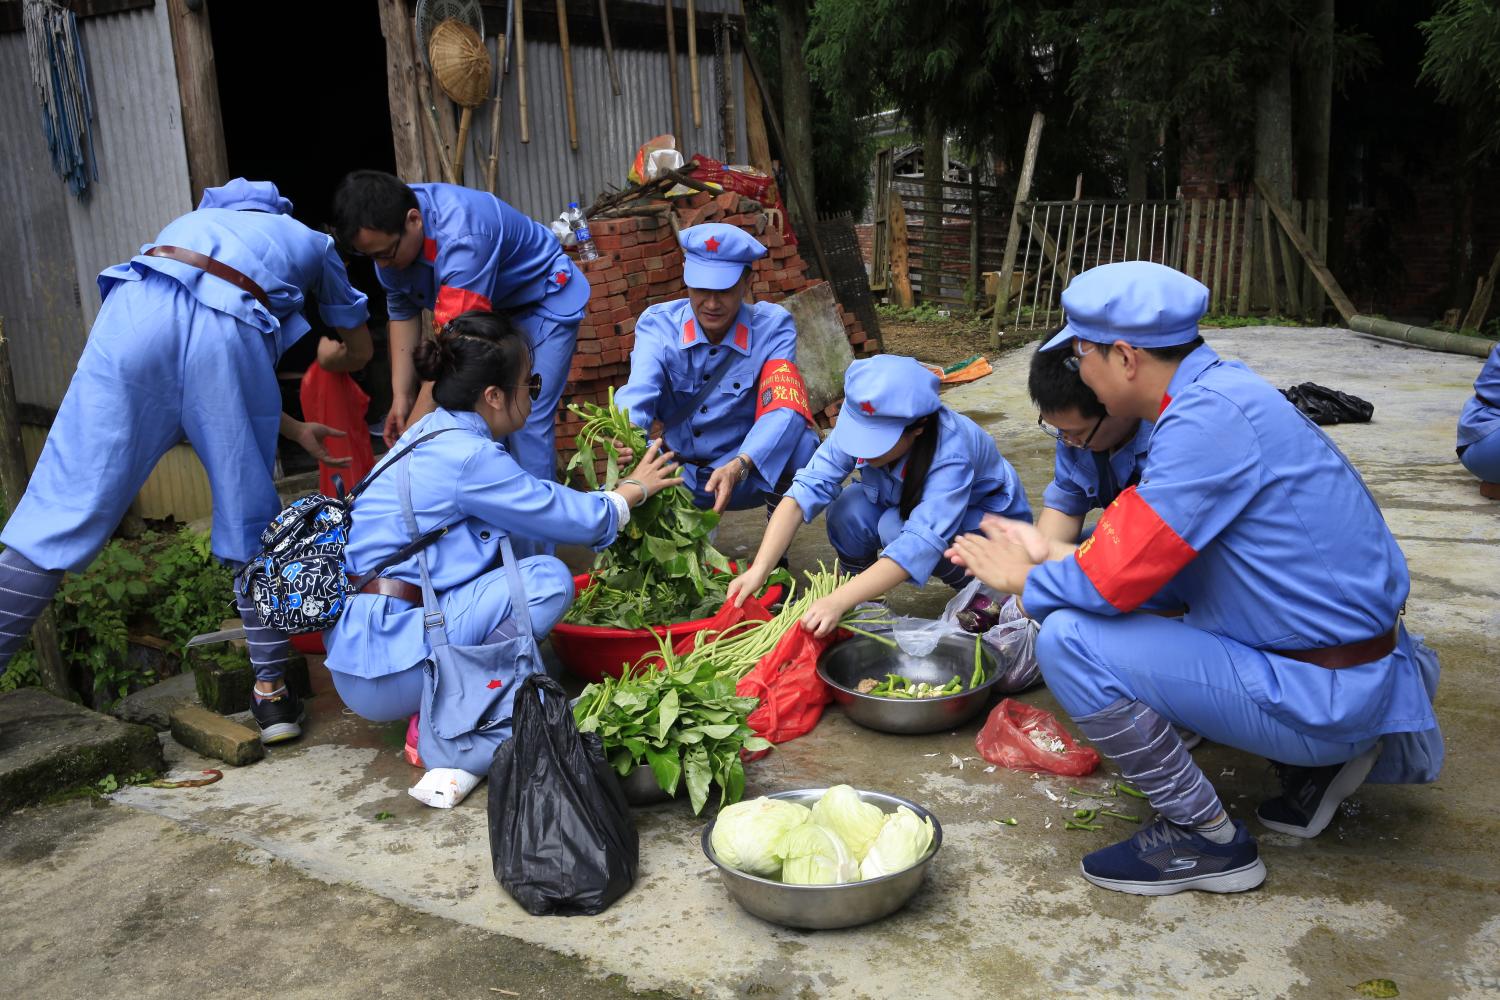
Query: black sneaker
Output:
(279,718)
(1163,858)
(1311,795)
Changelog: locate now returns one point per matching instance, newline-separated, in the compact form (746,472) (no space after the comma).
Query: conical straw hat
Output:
(460,62)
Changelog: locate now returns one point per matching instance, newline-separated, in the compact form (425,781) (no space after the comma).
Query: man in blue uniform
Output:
(185,346)
(1292,645)
(720,374)
(1479,427)
(451,249)
(1098,454)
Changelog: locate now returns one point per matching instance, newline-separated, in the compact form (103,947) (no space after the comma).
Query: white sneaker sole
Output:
(1238,880)
(281,732)
(1345,783)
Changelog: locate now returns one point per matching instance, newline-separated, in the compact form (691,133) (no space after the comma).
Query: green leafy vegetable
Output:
(1376,988)
(856,821)
(746,834)
(662,568)
(901,843)
(812,855)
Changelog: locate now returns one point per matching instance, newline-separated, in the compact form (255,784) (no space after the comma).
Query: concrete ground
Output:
(313,873)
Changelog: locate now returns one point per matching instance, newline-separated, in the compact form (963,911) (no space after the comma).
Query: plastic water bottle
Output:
(579,223)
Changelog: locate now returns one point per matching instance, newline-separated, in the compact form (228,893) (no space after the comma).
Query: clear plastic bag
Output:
(1010,634)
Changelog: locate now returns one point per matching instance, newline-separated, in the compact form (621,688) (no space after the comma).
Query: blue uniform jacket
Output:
(967,471)
(1481,416)
(468,481)
(281,255)
(671,358)
(480,253)
(1077,486)
(1270,536)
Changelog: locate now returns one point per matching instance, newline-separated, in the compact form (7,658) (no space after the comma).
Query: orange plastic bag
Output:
(792,695)
(1025,738)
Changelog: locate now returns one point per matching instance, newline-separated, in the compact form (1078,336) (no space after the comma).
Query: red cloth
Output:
(334,399)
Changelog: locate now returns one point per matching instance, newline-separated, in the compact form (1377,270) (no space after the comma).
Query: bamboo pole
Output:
(1013,237)
(673,84)
(520,33)
(692,29)
(13,478)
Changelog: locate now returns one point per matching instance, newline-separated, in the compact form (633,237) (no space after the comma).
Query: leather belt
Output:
(391,587)
(1350,655)
(218,269)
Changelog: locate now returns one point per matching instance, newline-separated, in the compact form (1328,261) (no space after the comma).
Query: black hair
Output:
(473,351)
(1055,388)
(370,199)
(918,462)
(1174,353)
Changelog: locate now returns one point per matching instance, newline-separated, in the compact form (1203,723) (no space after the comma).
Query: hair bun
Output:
(434,358)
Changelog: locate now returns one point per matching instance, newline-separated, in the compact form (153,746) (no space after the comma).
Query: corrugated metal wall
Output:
(540,177)
(52,244)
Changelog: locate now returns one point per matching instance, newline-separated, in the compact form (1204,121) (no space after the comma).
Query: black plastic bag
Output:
(1329,406)
(562,839)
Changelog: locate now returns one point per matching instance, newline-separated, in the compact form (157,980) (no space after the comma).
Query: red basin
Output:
(594,651)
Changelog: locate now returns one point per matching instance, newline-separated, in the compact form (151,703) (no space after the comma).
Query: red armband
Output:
(453,301)
(1132,552)
(780,387)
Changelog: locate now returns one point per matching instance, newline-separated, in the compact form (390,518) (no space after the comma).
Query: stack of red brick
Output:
(640,264)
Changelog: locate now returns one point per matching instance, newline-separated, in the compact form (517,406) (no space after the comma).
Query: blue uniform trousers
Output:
(158,367)
(477,612)
(1483,458)
(1187,675)
(534,446)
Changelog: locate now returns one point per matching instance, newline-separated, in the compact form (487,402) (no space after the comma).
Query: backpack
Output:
(297,581)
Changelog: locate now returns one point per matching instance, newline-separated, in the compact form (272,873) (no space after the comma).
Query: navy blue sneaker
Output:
(1163,858)
(1311,795)
(279,717)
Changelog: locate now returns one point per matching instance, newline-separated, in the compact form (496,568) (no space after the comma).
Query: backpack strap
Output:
(392,460)
(710,383)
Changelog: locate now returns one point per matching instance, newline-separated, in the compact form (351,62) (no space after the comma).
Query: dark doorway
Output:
(302,91)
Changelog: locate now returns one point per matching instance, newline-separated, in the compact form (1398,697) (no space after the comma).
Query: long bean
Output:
(978,676)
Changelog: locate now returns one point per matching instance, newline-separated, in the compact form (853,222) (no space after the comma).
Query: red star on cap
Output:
(867,407)
(711,245)
(561,277)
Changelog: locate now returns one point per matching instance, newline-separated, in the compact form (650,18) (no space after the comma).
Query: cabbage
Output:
(901,843)
(746,834)
(856,821)
(812,855)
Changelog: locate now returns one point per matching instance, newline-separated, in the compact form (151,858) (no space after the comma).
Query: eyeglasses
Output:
(1071,362)
(1065,437)
(533,386)
(386,256)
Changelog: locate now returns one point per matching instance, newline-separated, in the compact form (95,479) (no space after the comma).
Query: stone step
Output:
(48,745)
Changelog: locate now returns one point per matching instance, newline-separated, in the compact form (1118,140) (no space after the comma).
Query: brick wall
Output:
(640,264)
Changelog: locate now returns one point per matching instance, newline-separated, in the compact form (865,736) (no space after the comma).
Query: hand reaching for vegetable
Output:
(723,480)
(747,584)
(825,614)
(656,472)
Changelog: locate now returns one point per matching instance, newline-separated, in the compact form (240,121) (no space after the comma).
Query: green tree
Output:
(1462,61)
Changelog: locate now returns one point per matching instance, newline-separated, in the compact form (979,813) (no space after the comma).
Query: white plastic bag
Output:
(1012,638)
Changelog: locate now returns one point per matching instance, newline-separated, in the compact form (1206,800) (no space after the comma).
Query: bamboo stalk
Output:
(521,71)
(692,29)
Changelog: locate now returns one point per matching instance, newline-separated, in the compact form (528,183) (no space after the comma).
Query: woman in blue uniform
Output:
(1479,427)
(463,479)
(927,474)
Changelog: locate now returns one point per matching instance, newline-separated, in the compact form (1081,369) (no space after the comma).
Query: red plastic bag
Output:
(747,181)
(786,681)
(1006,739)
(725,617)
(334,399)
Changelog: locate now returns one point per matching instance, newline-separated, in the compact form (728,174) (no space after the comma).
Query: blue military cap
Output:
(1141,303)
(882,395)
(715,254)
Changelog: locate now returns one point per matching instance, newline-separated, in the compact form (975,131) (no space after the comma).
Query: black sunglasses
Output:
(533,386)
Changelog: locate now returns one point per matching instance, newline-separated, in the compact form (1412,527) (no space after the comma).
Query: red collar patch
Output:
(689,331)
(742,336)
(1166,401)
(429,250)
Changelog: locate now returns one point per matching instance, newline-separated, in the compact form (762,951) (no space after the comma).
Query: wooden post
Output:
(1208,245)
(198,90)
(1247,256)
(759,152)
(13,478)
(692,33)
(1226,279)
(1474,318)
(437,155)
(1268,250)
(1289,271)
(1192,239)
(401,92)
(974,225)
(900,255)
(672,83)
(725,59)
(1310,256)
(1214,281)
(1013,237)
